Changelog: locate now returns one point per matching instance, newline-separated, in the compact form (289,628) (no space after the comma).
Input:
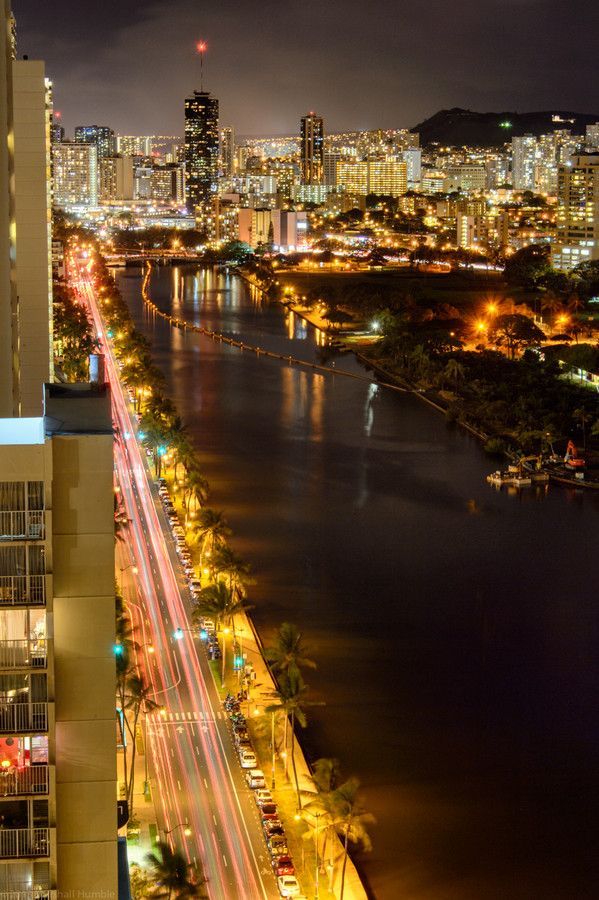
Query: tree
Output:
(515,332)
(350,821)
(528,267)
(288,655)
(212,529)
(138,701)
(218,602)
(171,874)
(454,371)
(293,699)
(195,491)
(237,572)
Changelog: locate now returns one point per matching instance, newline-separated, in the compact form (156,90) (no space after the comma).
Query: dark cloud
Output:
(384,63)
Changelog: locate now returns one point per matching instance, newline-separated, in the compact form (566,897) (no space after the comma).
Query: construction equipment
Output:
(573,459)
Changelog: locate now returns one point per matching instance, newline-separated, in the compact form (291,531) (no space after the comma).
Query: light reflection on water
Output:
(456,628)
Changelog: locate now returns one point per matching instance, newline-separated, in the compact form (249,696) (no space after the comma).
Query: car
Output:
(273,827)
(263,796)
(255,779)
(241,736)
(269,811)
(277,845)
(247,758)
(283,865)
(195,584)
(288,886)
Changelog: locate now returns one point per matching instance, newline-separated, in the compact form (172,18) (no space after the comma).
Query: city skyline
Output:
(397,81)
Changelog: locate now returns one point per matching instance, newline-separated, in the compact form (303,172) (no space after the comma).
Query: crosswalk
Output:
(165,717)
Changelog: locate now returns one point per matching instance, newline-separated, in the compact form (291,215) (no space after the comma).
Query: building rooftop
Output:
(22,431)
(77,409)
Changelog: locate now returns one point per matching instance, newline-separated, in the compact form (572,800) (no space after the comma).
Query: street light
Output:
(124,569)
(184,825)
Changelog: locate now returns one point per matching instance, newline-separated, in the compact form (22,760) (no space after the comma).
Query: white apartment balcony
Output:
(24,654)
(21,525)
(39,894)
(22,718)
(22,590)
(29,780)
(24,843)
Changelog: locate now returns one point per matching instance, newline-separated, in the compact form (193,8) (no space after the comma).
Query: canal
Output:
(456,628)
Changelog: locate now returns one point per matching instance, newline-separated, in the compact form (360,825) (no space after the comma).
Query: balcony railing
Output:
(21,524)
(22,590)
(23,654)
(20,718)
(23,843)
(40,894)
(28,780)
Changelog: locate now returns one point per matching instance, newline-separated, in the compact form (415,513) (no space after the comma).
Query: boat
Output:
(520,481)
(499,478)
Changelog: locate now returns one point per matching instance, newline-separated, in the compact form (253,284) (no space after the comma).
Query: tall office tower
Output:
(577,212)
(56,133)
(312,149)
(75,169)
(592,136)
(99,135)
(413,160)
(201,150)
(227,150)
(524,155)
(25,261)
(133,145)
(57,747)
(116,179)
(329,166)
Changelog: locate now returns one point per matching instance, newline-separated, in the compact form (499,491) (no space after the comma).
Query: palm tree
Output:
(195,491)
(217,601)
(326,775)
(288,655)
(235,570)
(293,699)
(212,529)
(138,700)
(171,872)
(454,371)
(351,820)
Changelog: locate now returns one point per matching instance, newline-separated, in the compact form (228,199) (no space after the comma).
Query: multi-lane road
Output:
(197,781)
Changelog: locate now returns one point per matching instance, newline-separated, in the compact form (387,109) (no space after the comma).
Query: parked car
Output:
(277,845)
(241,736)
(269,811)
(255,779)
(247,758)
(288,886)
(283,865)
(263,796)
(272,827)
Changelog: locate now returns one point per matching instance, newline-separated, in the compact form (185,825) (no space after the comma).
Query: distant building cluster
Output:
(278,192)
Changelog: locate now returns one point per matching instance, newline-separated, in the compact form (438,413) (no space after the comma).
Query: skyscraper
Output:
(312,149)
(101,135)
(524,157)
(227,150)
(75,174)
(25,287)
(201,150)
(577,212)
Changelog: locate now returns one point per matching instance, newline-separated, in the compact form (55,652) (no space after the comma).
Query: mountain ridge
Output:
(457,127)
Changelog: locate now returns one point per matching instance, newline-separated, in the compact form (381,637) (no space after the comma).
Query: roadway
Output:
(197,777)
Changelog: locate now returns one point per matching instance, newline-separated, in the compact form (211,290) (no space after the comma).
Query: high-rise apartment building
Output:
(116,179)
(56,133)
(57,719)
(100,135)
(577,212)
(387,176)
(524,157)
(167,185)
(75,168)
(312,149)
(133,145)
(25,260)
(201,149)
(592,136)
(413,160)
(227,151)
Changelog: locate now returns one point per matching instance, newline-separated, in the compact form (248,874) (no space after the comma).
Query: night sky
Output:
(359,63)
